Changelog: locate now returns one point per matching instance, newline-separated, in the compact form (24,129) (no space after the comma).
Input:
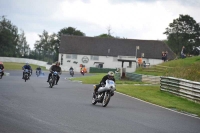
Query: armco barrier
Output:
(185,88)
(144,78)
(117,76)
(101,70)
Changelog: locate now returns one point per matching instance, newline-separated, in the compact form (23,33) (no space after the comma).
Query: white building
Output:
(109,52)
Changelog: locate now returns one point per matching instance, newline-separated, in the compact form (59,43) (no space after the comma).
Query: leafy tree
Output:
(47,47)
(22,47)
(184,31)
(69,31)
(105,36)
(8,35)
(12,44)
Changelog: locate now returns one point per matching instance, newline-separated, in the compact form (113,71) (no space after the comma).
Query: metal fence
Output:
(101,70)
(185,88)
(143,78)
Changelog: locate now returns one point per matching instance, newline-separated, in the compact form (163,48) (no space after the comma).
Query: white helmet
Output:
(111,74)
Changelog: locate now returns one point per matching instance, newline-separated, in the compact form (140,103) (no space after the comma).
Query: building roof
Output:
(113,47)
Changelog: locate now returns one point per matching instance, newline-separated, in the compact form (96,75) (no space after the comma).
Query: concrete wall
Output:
(25,60)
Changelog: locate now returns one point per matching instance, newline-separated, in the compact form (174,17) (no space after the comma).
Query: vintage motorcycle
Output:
(1,73)
(104,93)
(71,73)
(82,72)
(26,74)
(53,79)
(38,72)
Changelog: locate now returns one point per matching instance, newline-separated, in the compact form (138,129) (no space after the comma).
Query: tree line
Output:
(183,31)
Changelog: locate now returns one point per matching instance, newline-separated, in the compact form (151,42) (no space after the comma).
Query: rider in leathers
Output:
(109,76)
(27,66)
(56,68)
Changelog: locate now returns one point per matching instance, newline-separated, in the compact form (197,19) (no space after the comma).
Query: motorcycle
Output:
(72,73)
(53,79)
(104,93)
(26,74)
(38,72)
(1,73)
(82,72)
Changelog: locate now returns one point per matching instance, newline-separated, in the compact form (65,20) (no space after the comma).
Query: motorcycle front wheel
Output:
(93,99)
(106,99)
(50,82)
(25,77)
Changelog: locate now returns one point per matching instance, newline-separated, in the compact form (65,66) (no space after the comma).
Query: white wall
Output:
(109,62)
(25,60)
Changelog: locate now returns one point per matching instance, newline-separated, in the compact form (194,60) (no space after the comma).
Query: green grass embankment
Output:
(18,66)
(188,68)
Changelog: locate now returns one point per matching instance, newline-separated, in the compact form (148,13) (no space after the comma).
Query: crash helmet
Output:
(111,75)
(57,62)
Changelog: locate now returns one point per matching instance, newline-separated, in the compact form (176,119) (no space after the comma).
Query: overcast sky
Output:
(132,19)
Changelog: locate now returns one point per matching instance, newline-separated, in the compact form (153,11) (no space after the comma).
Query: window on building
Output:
(68,56)
(71,56)
(74,56)
(94,57)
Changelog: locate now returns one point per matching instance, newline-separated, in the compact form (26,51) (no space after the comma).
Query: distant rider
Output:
(109,76)
(27,66)
(71,69)
(56,68)
(38,69)
(2,68)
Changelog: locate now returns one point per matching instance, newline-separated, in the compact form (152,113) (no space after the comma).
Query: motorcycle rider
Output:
(38,69)
(27,66)
(71,69)
(56,68)
(2,68)
(109,76)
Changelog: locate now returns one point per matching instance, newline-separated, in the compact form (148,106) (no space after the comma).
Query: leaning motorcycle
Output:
(72,73)
(104,93)
(26,74)
(53,79)
(1,73)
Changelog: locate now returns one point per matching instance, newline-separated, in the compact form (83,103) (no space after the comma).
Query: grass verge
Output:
(18,66)
(149,93)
